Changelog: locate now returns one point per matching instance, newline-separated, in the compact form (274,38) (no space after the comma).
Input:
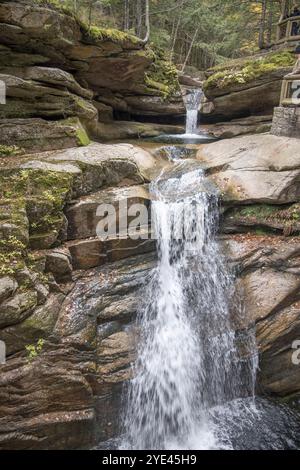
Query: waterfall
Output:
(192,103)
(189,358)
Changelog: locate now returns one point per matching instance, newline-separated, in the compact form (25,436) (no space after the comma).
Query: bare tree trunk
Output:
(261,38)
(270,23)
(126,15)
(91,11)
(147,22)
(75,6)
(176,33)
(190,49)
(139,18)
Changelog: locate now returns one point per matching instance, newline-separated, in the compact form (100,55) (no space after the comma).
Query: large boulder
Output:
(246,87)
(46,403)
(8,286)
(238,127)
(97,165)
(36,135)
(82,214)
(254,169)
(153,106)
(119,130)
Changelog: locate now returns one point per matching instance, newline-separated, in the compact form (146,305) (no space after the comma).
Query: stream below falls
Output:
(193,385)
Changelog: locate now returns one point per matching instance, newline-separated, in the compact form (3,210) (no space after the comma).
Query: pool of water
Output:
(242,425)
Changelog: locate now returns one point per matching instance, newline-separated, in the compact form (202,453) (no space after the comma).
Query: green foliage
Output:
(162,75)
(33,350)
(245,71)
(10,151)
(12,252)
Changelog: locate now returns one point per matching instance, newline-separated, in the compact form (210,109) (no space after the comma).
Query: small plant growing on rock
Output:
(10,150)
(12,252)
(33,350)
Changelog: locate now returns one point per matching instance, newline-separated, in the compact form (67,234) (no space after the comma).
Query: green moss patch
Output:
(80,132)
(12,252)
(10,151)
(56,5)
(245,71)
(96,33)
(42,193)
(162,76)
(93,32)
(285,219)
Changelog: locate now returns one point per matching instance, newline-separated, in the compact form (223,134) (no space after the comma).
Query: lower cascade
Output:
(191,364)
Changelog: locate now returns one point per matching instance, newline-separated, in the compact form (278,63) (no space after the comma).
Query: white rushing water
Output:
(189,364)
(192,103)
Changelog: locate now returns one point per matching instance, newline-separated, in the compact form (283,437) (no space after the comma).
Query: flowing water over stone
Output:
(189,359)
(192,104)
(192,134)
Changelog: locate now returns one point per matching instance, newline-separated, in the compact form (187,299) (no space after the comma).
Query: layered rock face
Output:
(68,299)
(56,69)
(68,296)
(64,314)
(245,87)
(259,178)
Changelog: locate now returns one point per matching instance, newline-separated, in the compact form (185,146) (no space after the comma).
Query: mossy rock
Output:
(96,34)
(92,32)
(80,132)
(247,70)
(42,193)
(162,75)
(37,135)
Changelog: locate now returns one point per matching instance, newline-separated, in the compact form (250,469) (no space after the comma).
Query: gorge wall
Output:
(68,300)
(58,71)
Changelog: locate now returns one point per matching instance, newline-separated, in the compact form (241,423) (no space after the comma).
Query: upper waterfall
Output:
(192,103)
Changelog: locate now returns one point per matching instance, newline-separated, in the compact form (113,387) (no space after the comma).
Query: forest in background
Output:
(201,33)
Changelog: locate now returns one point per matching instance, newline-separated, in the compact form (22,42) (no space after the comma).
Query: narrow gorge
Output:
(186,334)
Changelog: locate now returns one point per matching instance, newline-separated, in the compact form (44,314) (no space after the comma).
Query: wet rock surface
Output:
(67,396)
(268,273)
(69,299)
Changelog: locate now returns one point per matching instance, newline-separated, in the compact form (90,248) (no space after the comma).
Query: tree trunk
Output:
(147,22)
(270,23)
(126,15)
(139,18)
(190,49)
(262,24)
(174,39)
(91,12)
